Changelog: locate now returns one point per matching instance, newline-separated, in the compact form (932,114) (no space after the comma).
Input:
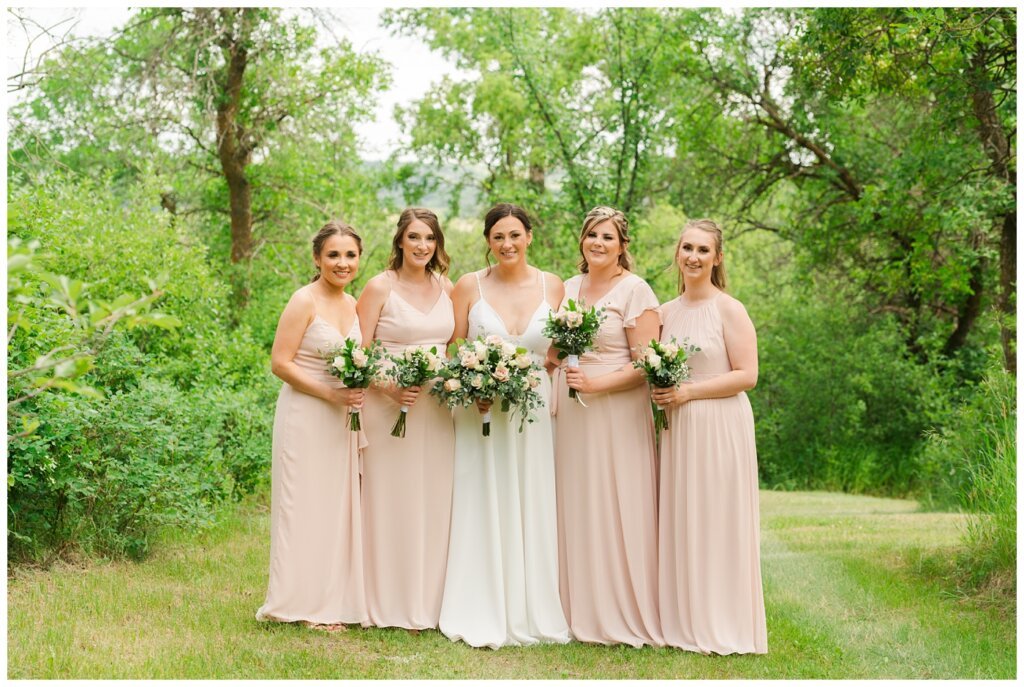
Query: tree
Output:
(220,89)
(871,184)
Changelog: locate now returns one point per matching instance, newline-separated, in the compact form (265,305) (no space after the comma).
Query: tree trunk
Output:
(232,148)
(997,147)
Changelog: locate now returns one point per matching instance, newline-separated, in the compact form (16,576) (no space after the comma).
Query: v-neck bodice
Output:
(485,320)
(401,324)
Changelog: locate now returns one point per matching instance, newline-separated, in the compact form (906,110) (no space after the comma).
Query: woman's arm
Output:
(627,376)
(741,347)
(291,327)
(463,296)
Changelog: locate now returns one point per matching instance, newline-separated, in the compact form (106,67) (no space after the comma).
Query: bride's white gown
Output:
(501,586)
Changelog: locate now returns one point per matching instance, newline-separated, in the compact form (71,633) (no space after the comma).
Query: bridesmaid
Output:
(407,482)
(316,559)
(604,453)
(709,574)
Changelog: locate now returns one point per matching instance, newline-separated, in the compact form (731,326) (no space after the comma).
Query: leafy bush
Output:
(179,420)
(971,462)
(840,404)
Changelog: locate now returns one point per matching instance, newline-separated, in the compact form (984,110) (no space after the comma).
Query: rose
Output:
(653,359)
(494,340)
(501,373)
(359,358)
(534,379)
(477,381)
(452,385)
(468,359)
(670,350)
(434,363)
(508,349)
(574,319)
(481,350)
(339,363)
(523,361)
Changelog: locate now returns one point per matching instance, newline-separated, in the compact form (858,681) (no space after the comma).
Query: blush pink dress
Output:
(407,482)
(606,480)
(316,548)
(709,575)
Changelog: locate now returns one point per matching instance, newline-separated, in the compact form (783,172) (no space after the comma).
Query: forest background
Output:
(164,182)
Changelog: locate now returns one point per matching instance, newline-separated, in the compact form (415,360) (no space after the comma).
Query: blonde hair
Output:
(718,271)
(595,217)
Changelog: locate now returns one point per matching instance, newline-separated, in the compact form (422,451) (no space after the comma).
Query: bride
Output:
(501,587)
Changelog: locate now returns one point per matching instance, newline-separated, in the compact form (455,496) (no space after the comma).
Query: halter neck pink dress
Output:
(709,574)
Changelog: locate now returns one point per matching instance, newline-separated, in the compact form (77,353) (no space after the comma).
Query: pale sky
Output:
(414,65)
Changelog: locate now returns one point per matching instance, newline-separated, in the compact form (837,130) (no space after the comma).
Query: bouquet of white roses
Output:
(356,366)
(572,331)
(415,367)
(664,365)
(484,369)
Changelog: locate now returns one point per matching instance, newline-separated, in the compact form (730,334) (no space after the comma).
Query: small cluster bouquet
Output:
(572,331)
(356,366)
(664,366)
(415,367)
(485,369)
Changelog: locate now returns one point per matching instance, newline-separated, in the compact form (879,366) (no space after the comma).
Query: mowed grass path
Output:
(851,591)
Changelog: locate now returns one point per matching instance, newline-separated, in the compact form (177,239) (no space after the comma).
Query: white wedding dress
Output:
(501,585)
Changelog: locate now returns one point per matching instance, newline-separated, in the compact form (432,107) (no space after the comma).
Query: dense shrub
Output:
(971,462)
(183,417)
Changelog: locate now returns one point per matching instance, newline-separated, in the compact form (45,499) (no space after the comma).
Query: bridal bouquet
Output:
(664,365)
(356,366)
(572,331)
(415,367)
(484,369)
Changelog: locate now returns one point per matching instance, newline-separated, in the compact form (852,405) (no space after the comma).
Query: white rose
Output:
(468,359)
(523,361)
(494,340)
(508,349)
(670,350)
(560,317)
(574,319)
(452,385)
(339,363)
(359,358)
(501,373)
(477,381)
(653,359)
(481,349)
(433,363)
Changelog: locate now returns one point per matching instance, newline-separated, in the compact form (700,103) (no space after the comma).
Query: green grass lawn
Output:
(854,588)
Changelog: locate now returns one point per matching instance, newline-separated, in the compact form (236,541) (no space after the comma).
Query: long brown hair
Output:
(595,217)
(334,227)
(439,261)
(718,271)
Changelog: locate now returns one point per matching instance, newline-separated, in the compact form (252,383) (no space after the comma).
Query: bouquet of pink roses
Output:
(572,331)
(356,366)
(415,367)
(664,365)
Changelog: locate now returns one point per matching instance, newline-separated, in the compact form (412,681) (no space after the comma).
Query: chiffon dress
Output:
(407,482)
(606,482)
(501,587)
(709,577)
(316,548)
